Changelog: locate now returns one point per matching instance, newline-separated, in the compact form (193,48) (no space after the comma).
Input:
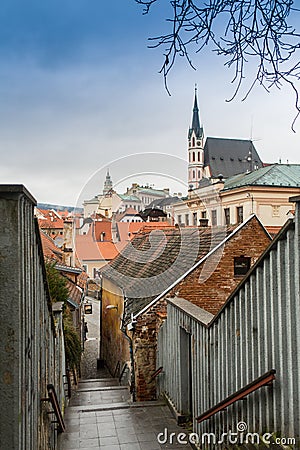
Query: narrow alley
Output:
(101,415)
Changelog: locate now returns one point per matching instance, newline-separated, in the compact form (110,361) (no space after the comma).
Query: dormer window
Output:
(241,265)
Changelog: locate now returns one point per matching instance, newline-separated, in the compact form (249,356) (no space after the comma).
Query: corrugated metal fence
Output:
(257,330)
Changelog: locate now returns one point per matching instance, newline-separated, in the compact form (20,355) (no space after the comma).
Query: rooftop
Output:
(276,175)
(153,261)
(229,156)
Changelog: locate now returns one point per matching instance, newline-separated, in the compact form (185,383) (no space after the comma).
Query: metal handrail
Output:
(117,369)
(56,408)
(263,380)
(122,372)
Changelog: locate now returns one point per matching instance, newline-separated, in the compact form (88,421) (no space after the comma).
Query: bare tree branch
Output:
(240,30)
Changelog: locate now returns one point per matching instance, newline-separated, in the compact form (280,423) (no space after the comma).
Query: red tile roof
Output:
(102,227)
(49,248)
(51,224)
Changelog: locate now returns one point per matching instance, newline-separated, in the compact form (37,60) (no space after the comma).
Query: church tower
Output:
(195,148)
(108,185)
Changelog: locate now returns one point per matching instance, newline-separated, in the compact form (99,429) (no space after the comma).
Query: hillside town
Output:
(186,303)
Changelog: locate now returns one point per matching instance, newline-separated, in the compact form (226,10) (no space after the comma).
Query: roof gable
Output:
(151,263)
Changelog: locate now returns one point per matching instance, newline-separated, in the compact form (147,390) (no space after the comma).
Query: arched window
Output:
(193,142)
(199,156)
(194,175)
(194,157)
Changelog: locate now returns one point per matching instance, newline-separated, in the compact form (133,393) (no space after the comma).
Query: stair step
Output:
(95,380)
(115,406)
(104,388)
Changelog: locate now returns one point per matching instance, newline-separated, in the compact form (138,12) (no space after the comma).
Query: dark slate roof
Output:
(228,156)
(152,212)
(151,263)
(204,182)
(159,203)
(279,175)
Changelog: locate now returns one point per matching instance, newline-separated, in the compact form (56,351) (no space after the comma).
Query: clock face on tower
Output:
(198,143)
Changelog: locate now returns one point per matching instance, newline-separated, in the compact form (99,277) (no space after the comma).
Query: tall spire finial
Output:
(108,185)
(195,120)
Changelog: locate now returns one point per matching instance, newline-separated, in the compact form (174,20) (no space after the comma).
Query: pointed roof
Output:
(196,120)
(229,157)
(107,183)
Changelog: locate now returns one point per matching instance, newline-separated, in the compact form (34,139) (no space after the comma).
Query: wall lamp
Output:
(112,307)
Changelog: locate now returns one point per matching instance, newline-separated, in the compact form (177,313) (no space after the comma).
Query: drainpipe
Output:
(124,330)
(100,362)
(132,363)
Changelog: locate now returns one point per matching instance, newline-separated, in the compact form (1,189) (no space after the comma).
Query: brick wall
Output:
(210,295)
(144,348)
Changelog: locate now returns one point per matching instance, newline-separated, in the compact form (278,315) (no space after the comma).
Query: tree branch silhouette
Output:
(240,30)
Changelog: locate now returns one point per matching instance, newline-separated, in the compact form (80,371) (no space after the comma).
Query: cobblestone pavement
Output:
(101,415)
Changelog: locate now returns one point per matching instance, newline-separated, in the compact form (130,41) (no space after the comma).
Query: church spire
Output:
(196,127)
(108,185)
(195,148)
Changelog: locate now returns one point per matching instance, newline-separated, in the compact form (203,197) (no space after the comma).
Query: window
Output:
(239,214)
(199,174)
(179,219)
(195,219)
(194,174)
(203,214)
(199,156)
(241,265)
(187,219)
(214,217)
(193,142)
(227,216)
(194,157)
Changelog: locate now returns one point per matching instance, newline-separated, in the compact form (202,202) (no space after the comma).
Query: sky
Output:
(80,92)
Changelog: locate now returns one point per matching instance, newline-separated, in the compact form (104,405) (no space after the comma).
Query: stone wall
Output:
(29,338)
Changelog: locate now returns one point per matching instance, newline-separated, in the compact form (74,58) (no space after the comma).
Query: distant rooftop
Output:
(129,198)
(279,175)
